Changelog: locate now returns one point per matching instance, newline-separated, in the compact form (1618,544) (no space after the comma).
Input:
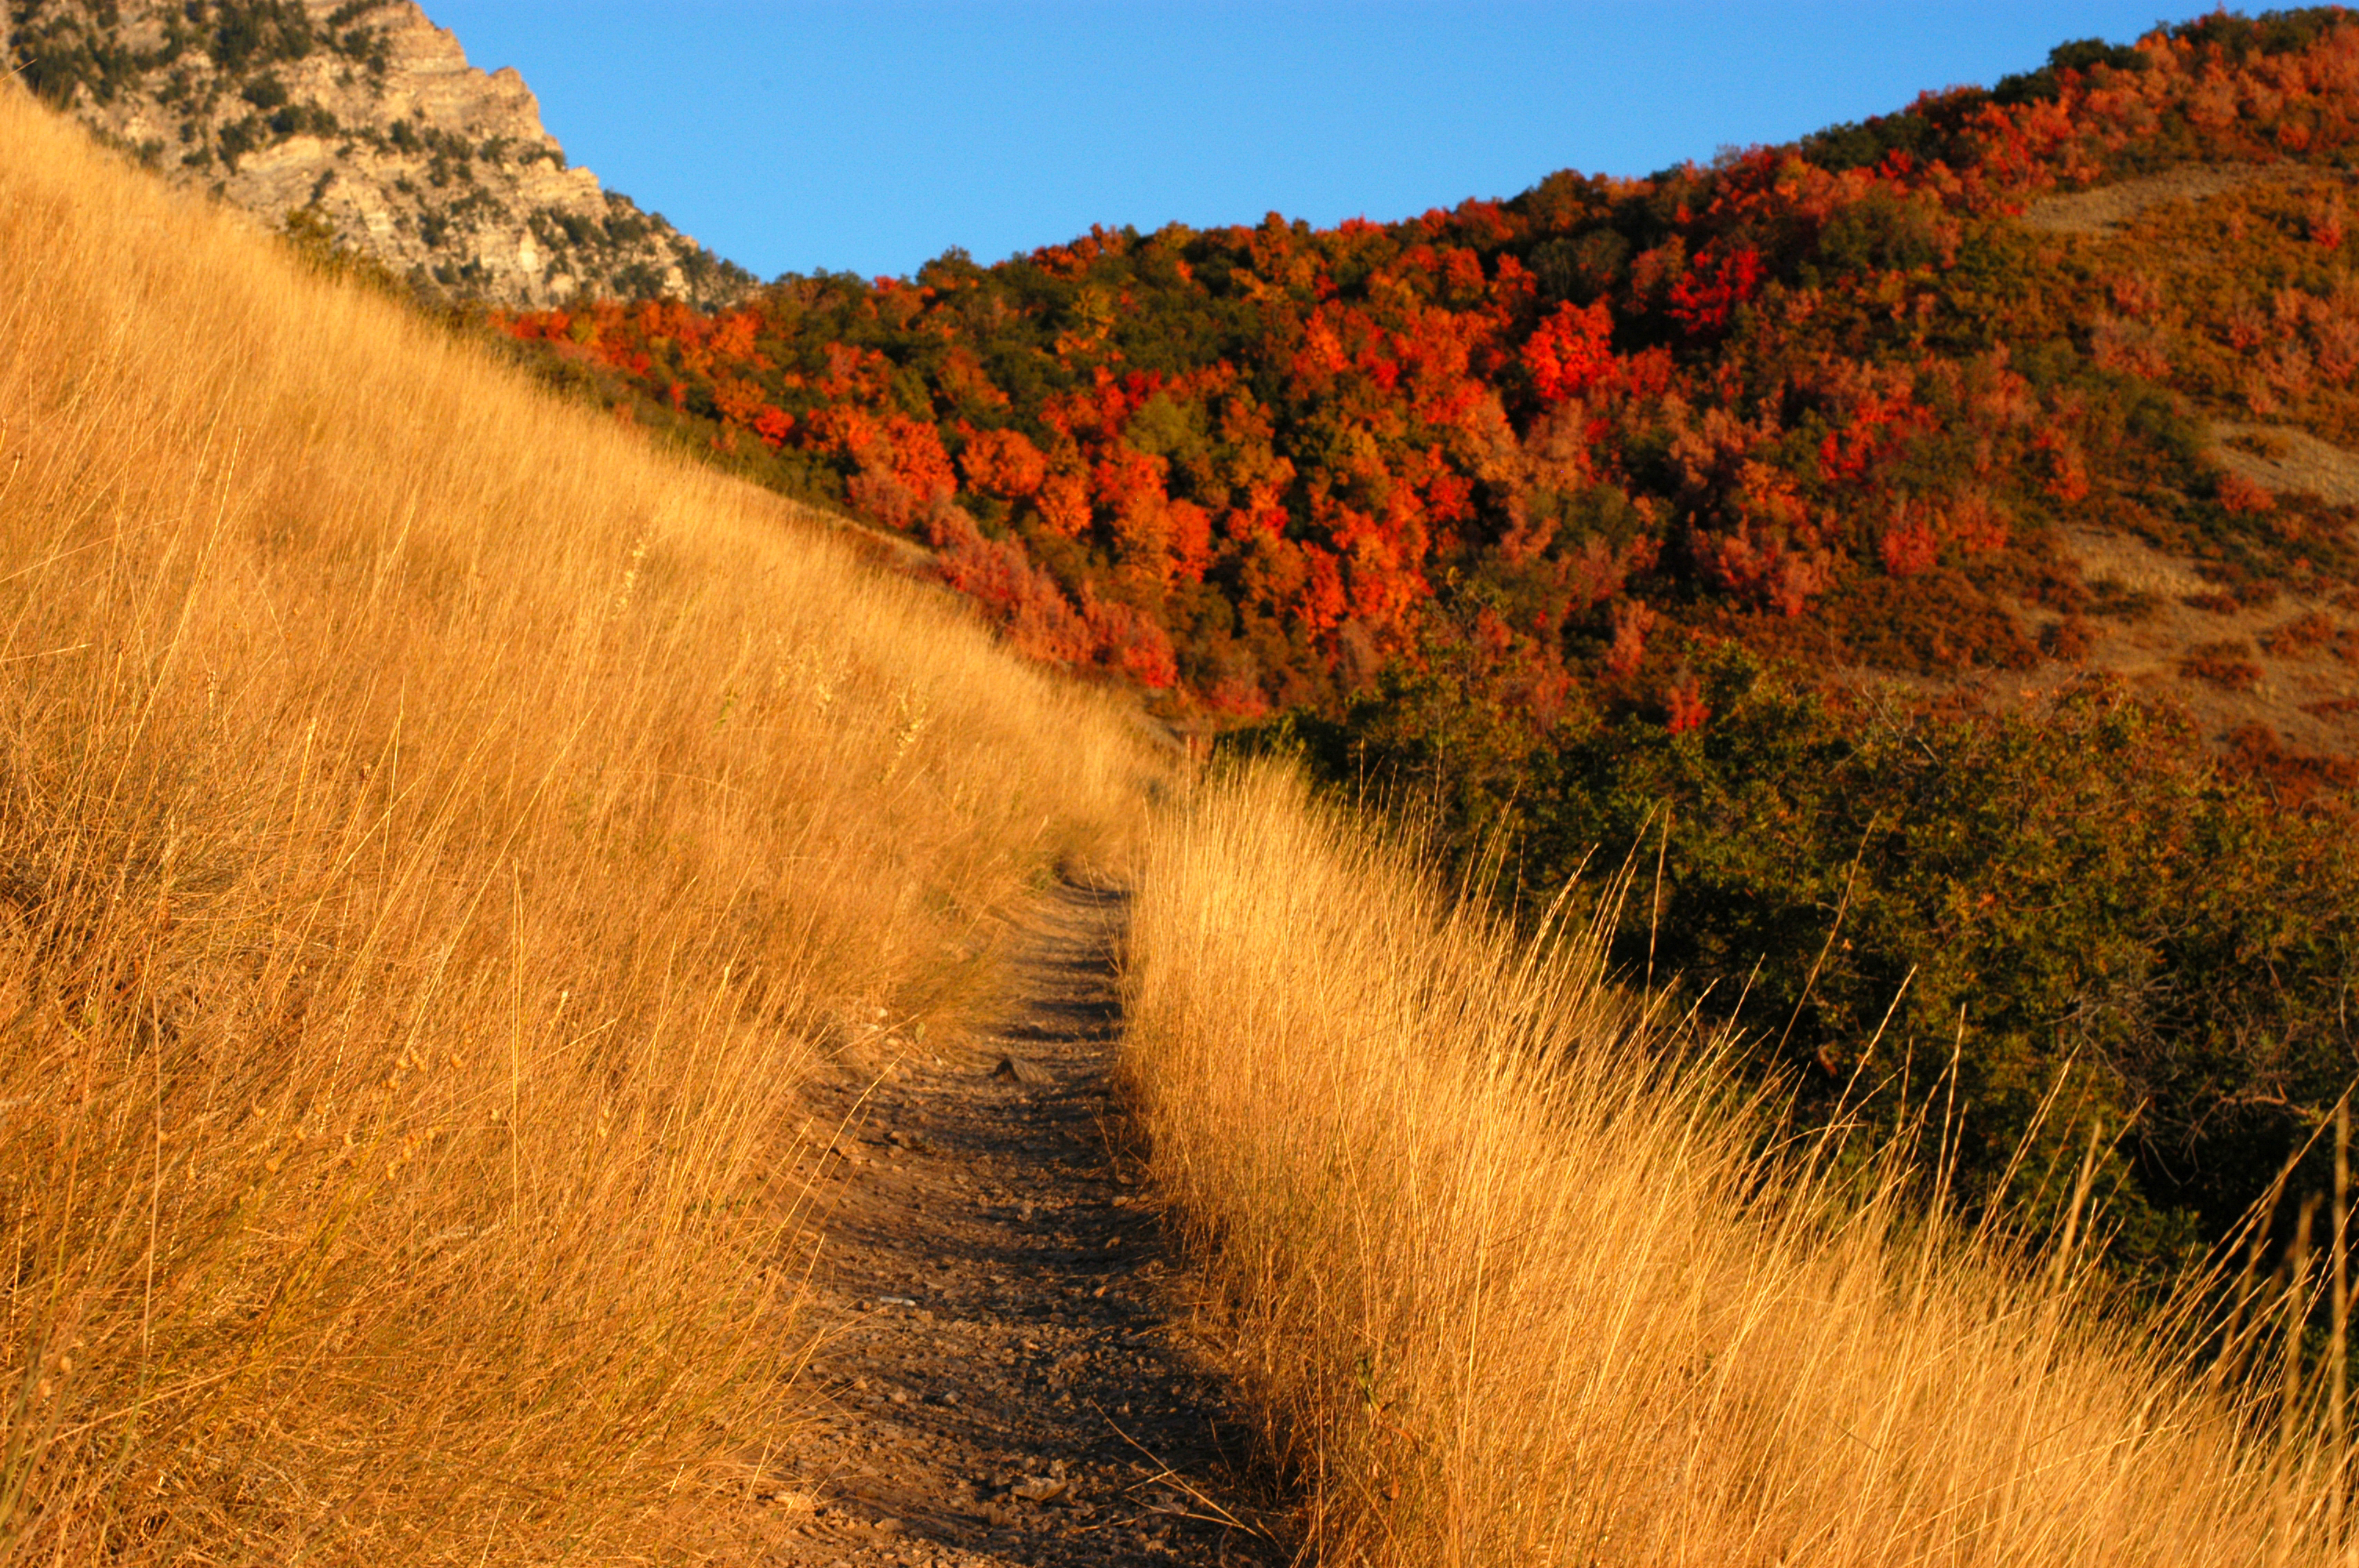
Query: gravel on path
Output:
(1005,1350)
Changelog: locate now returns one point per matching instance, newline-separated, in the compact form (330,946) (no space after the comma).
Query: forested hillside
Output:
(1854,399)
(1928,547)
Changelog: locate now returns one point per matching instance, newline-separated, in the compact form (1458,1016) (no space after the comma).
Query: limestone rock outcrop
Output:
(364,122)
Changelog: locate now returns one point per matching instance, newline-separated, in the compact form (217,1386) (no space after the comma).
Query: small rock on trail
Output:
(1013,1069)
(1008,1376)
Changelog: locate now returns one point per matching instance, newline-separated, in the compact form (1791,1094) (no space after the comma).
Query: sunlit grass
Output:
(437,834)
(1517,1281)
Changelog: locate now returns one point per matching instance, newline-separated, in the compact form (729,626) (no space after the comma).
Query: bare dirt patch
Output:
(2284,660)
(1008,1369)
(2109,206)
(2287,461)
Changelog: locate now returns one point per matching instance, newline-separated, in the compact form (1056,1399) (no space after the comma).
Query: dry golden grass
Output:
(1517,1287)
(435,833)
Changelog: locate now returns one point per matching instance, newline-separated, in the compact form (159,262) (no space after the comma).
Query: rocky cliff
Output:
(359,119)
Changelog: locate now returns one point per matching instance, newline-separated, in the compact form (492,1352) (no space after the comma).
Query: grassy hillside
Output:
(1522,1277)
(438,829)
(436,833)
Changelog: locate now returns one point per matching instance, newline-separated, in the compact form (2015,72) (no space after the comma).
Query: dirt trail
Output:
(1009,1376)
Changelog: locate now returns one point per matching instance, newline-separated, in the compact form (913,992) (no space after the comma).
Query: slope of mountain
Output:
(2028,381)
(1947,520)
(440,830)
(365,116)
(1516,1288)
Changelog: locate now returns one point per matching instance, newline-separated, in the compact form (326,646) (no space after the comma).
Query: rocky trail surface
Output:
(1008,1368)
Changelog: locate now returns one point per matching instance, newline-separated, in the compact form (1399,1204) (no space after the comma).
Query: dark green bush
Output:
(1864,144)
(2241,37)
(2081,56)
(2073,904)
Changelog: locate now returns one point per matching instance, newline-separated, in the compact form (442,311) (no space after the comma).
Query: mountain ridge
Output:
(366,120)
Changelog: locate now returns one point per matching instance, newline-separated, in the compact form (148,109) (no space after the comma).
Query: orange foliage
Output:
(1003,463)
(1621,410)
(1571,353)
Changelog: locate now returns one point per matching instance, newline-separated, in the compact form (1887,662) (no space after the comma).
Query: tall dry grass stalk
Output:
(435,830)
(1517,1287)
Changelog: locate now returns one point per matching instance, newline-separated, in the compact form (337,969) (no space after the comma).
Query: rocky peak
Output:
(360,120)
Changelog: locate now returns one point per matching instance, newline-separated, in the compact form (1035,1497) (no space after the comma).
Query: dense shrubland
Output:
(1834,398)
(2072,909)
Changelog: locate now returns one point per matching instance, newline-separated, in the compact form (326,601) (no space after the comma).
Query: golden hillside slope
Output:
(1517,1284)
(435,831)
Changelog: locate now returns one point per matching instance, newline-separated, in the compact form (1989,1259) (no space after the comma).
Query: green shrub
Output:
(2083,56)
(2099,929)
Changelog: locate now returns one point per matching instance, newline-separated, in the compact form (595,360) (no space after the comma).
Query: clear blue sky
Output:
(869,136)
